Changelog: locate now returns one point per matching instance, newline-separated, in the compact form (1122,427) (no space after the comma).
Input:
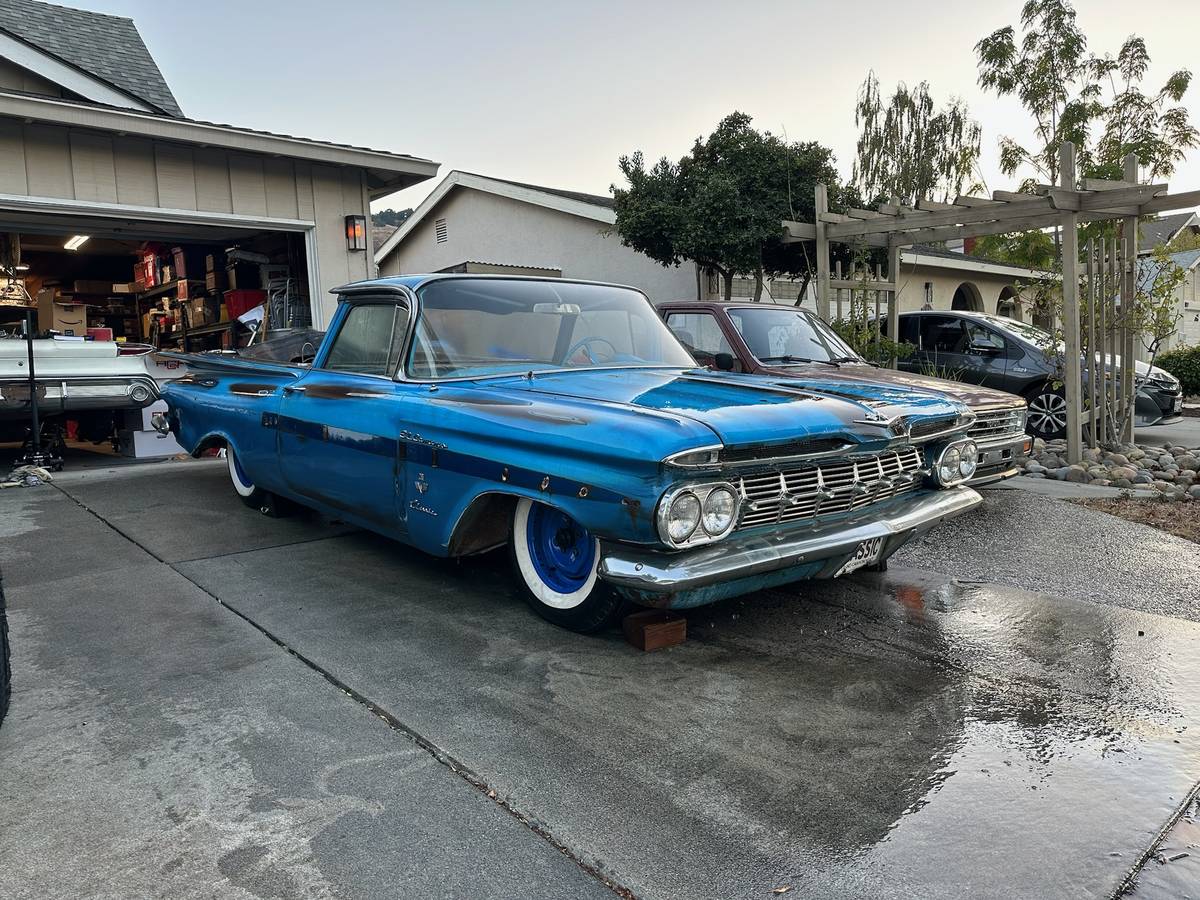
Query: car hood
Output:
(748,410)
(851,374)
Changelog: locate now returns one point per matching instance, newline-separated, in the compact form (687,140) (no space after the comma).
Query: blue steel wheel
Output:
(557,560)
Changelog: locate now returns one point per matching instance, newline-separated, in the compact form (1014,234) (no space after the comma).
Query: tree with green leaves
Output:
(721,205)
(1096,102)
(394,217)
(910,150)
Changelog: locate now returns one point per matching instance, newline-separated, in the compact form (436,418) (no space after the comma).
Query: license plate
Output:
(865,554)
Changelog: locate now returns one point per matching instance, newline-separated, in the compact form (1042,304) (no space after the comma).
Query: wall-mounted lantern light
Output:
(356,233)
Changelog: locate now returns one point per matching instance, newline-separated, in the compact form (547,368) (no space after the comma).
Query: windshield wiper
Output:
(798,359)
(846,359)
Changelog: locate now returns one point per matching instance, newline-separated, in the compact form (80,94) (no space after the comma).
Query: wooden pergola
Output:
(1066,205)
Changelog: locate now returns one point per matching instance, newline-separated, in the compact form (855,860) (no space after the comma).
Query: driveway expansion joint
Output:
(1128,883)
(440,755)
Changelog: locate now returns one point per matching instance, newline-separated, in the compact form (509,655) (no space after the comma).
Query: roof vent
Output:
(439,231)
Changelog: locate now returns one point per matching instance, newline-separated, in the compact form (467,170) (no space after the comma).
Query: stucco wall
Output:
(58,162)
(1188,298)
(487,228)
(985,287)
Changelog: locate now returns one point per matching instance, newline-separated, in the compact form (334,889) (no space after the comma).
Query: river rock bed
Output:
(1171,471)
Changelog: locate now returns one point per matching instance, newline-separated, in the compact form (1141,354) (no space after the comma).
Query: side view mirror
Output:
(723,361)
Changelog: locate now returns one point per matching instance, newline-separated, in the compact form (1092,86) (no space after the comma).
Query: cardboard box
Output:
(93,287)
(203,311)
(186,262)
(70,320)
(146,270)
(147,444)
(126,287)
(215,281)
(139,419)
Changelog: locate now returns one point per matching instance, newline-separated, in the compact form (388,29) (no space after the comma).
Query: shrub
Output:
(1184,364)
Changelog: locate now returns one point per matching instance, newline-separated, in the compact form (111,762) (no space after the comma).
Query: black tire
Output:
(592,606)
(5,658)
(1047,413)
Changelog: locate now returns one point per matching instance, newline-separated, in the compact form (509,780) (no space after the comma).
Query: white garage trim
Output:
(59,206)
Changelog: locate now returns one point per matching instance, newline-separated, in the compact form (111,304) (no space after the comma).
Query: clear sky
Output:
(554,92)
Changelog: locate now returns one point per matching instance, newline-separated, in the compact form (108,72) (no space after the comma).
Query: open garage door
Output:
(174,284)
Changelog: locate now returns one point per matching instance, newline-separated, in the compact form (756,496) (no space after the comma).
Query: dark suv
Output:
(1018,357)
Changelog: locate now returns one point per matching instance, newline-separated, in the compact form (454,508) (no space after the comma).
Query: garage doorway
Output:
(176,286)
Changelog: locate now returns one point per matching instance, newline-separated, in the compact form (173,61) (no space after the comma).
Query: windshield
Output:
(785,336)
(470,327)
(1031,333)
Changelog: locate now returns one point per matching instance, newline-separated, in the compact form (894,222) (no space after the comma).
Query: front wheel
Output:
(1047,413)
(556,560)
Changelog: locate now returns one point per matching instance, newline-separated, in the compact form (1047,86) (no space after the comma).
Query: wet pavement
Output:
(891,735)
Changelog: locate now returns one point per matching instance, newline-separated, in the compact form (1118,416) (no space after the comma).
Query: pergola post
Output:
(821,203)
(893,326)
(1070,289)
(1129,287)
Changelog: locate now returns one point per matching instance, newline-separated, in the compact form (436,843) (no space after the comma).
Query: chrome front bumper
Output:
(997,458)
(740,564)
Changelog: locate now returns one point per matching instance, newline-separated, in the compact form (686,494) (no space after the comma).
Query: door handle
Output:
(294,389)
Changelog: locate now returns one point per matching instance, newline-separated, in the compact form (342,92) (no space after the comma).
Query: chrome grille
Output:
(805,492)
(991,424)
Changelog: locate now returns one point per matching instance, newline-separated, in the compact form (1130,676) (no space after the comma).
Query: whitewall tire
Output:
(556,561)
(251,495)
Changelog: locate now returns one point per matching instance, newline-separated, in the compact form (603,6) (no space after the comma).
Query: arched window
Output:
(967,298)
(1009,304)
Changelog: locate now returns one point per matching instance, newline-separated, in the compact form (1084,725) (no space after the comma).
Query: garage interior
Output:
(175,287)
(170,286)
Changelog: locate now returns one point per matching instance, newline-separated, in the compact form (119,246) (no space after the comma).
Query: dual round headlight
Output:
(957,463)
(703,512)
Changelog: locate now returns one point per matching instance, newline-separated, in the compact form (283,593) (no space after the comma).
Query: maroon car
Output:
(773,339)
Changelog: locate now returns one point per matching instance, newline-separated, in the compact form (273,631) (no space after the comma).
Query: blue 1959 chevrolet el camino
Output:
(462,413)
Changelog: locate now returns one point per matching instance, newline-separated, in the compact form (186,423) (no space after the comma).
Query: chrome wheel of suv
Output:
(1048,414)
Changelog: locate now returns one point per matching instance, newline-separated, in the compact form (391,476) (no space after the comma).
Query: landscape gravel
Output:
(1170,471)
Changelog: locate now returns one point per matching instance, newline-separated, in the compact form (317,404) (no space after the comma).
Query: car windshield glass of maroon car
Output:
(789,335)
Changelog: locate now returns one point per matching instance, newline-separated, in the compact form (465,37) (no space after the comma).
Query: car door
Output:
(942,349)
(990,352)
(339,425)
(703,336)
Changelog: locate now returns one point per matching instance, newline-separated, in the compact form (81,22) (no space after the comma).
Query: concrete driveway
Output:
(209,703)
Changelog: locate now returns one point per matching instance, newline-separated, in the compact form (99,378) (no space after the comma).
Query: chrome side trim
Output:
(659,572)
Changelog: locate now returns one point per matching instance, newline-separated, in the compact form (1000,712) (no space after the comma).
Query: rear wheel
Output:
(252,496)
(556,561)
(1047,413)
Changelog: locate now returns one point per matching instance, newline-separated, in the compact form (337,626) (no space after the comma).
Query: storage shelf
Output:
(166,288)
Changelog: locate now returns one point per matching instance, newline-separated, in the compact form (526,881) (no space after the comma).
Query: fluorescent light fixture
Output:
(21,268)
(76,242)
